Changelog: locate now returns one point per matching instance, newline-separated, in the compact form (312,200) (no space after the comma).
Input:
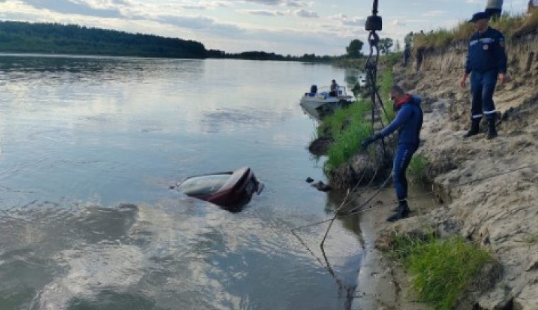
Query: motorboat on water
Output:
(321,102)
(231,190)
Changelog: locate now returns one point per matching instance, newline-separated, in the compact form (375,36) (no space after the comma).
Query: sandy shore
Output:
(383,285)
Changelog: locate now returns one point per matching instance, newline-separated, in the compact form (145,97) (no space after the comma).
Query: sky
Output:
(287,27)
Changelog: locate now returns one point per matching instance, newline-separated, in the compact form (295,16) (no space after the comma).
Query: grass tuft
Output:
(387,80)
(417,167)
(507,24)
(348,127)
(351,125)
(441,269)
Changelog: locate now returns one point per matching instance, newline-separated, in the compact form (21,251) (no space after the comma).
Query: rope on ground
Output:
(332,220)
(360,209)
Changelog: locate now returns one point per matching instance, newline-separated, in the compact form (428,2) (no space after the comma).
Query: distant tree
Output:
(397,46)
(74,39)
(354,48)
(408,39)
(385,45)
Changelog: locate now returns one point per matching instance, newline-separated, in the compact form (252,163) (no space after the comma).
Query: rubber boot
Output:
(475,128)
(401,212)
(492,131)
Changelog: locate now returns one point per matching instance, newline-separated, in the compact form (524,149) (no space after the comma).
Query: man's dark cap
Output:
(479,16)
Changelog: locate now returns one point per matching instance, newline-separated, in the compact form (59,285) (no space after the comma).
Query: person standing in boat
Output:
(408,122)
(334,89)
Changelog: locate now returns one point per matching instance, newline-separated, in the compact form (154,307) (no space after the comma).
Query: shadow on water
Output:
(329,256)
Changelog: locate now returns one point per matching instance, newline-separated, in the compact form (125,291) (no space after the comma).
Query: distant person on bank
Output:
(532,6)
(486,61)
(334,89)
(494,9)
(408,122)
(406,54)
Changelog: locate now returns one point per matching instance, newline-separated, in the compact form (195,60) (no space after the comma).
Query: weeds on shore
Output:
(507,24)
(348,127)
(387,80)
(417,167)
(441,269)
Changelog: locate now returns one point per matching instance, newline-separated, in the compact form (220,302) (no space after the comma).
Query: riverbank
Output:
(383,285)
(488,187)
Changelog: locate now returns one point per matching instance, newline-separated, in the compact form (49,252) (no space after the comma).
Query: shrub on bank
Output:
(417,167)
(507,24)
(441,270)
(348,127)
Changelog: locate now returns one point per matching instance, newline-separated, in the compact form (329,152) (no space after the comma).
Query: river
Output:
(90,148)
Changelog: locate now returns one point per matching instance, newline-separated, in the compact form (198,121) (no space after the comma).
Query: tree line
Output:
(73,39)
(55,38)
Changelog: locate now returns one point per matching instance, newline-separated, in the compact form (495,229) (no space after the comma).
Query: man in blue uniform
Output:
(486,60)
(408,122)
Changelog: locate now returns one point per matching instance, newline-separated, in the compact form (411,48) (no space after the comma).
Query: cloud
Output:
(203,6)
(288,3)
(264,12)
(398,22)
(354,21)
(296,4)
(338,17)
(200,24)
(78,7)
(306,14)
(347,21)
(194,7)
(434,13)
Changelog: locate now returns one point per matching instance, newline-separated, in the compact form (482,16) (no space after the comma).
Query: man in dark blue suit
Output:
(408,122)
(486,61)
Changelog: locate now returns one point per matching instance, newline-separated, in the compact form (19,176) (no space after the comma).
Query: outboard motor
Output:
(313,89)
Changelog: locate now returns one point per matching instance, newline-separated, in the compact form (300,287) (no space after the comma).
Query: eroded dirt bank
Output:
(489,187)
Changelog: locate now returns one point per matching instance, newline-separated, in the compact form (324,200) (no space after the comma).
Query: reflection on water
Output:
(90,147)
(181,252)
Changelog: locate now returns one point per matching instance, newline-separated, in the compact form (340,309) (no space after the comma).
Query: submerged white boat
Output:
(320,103)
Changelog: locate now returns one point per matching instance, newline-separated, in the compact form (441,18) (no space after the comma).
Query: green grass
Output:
(348,127)
(387,80)
(417,167)
(348,143)
(507,24)
(440,269)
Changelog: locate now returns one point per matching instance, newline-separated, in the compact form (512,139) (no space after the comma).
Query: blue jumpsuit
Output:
(486,58)
(408,122)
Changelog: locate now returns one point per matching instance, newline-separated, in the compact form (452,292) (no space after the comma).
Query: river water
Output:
(90,147)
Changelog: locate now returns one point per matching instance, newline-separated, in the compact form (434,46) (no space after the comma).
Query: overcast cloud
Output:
(323,27)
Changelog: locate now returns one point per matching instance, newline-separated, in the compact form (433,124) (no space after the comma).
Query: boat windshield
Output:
(203,185)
